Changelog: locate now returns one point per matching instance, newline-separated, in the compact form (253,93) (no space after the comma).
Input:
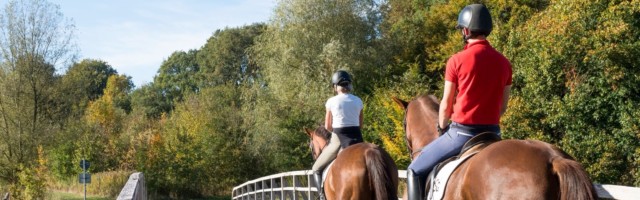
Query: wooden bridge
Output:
(300,185)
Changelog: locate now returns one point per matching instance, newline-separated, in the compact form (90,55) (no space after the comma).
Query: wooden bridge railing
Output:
(134,189)
(287,185)
(299,185)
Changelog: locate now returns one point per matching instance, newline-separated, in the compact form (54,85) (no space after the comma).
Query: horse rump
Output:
(574,181)
(383,173)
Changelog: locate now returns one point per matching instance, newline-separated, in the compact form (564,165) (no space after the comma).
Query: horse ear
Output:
(309,132)
(400,102)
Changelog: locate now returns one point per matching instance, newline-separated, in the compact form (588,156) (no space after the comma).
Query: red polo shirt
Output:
(480,74)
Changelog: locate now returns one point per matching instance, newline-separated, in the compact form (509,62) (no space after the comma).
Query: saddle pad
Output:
(439,183)
(325,172)
(326,169)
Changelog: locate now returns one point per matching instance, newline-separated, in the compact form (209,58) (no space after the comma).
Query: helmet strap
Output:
(465,36)
(465,39)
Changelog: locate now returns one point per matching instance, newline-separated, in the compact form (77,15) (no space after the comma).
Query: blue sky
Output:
(136,36)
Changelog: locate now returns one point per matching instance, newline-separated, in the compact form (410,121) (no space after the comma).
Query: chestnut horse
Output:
(361,171)
(507,169)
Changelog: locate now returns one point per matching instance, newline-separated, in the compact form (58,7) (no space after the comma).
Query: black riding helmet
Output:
(341,78)
(476,18)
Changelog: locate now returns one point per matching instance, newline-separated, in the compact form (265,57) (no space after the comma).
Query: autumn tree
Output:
(575,66)
(105,117)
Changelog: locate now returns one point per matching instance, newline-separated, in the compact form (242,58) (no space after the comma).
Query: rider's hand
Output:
(441,130)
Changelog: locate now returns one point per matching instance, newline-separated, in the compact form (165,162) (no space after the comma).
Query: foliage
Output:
(575,71)
(65,156)
(36,28)
(105,118)
(201,140)
(235,109)
(32,182)
(83,82)
(104,184)
(176,77)
(150,100)
(304,43)
(224,59)
(33,38)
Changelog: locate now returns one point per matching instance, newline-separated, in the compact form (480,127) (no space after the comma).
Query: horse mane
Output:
(431,101)
(323,133)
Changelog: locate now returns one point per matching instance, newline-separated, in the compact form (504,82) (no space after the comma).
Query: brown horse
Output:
(361,171)
(508,169)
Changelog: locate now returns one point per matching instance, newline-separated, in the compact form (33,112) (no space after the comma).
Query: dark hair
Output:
(478,33)
(344,84)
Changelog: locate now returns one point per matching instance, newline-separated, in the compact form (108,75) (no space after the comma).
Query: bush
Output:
(102,184)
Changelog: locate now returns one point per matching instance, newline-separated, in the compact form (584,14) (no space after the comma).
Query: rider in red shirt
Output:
(481,76)
(476,92)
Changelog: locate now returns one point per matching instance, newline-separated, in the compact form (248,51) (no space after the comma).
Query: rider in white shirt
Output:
(343,118)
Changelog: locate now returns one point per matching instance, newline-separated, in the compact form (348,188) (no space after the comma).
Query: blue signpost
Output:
(84,176)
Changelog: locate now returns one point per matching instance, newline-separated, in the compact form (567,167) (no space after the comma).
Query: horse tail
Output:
(383,173)
(574,181)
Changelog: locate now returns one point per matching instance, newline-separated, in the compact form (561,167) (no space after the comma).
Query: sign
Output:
(84,164)
(85,178)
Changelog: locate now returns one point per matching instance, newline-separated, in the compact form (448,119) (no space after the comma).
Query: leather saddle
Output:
(470,148)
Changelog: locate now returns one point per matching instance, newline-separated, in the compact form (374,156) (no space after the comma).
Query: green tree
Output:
(34,38)
(176,78)
(306,41)
(176,75)
(205,146)
(225,59)
(83,82)
(150,100)
(303,45)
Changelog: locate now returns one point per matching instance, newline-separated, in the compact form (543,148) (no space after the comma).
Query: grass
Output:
(103,184)
(74,196)
(204,198)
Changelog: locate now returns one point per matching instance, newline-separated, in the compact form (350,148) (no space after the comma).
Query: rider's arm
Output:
(328,120)
(361,119)
(446,104)
(505,99)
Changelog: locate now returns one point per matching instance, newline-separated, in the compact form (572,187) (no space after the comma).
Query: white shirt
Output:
(345,110)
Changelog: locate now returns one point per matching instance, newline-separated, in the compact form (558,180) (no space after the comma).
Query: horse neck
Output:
(321,142)
(421,124)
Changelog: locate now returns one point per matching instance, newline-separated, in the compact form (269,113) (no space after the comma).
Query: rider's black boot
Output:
(415,186)
(317,176)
